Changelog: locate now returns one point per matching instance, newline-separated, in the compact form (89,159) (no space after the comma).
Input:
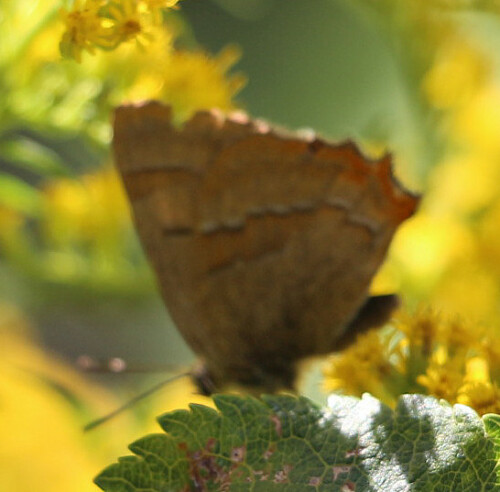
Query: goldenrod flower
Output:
(483,396)
(420,330)
(420,352)
(128,22)
(443,376)
(106,24)
(360,368)
(84,29)
(196,80)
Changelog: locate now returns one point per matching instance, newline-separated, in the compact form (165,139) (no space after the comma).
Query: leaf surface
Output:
(283,443)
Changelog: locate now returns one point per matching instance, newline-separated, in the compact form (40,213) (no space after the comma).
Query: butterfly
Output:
(264,243)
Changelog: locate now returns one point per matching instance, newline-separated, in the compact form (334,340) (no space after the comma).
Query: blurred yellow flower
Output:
(477,125)
(469,289)
(86,233)
(195,80)
(426,247)
(421,330)
(448,255)
(456,74)
(92,209)
(189,80)
(42,442)
(463,184)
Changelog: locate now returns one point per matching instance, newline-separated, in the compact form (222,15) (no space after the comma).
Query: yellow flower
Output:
(194,80)
(478,124)
(463,184)
(443,377)
(482,396)
(476,370)
(84,29)
(187,80)
(460,335)
(420,329)
(106,24)
(92,209)
(470,288)
(426,247)
(129,22)
(456,74)
(65,207)
(420,351)
(363,367)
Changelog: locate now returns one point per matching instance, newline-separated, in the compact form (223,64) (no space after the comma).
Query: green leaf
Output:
(28,154)
(492,425)
(283,443)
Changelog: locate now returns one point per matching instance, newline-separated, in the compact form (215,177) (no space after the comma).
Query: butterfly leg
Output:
(202,379)
(374,313)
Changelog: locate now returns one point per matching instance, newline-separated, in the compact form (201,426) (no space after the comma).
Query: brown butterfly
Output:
(264,244)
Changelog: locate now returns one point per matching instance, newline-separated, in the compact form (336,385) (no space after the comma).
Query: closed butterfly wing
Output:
(264,244)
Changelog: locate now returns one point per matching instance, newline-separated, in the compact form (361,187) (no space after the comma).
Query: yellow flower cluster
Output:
(78,229)
(106,24)
(186,80)
(85,234)
(91,211)
(448,255)
(422,353)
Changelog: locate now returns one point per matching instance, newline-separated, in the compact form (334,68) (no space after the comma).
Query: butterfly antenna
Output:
(133,401)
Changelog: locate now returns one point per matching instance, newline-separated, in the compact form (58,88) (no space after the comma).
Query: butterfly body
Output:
(264,244)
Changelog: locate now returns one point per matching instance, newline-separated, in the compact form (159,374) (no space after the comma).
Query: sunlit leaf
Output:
(287,443)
